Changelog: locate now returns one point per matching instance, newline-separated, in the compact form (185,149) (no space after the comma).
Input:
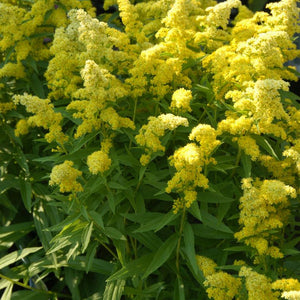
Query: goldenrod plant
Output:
(149,153)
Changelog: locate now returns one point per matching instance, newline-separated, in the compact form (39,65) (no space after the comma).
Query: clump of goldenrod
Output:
(65,176)
(264,208)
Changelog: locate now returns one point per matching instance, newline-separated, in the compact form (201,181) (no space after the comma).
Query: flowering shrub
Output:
(155,150)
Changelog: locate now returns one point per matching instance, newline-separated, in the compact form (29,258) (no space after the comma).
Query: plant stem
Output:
(133,118)
(179,241)
(34,289)
(237,161)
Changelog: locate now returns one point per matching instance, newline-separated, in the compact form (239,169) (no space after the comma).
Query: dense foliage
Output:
(149,153)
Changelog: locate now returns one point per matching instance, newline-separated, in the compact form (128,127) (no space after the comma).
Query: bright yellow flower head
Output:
(258,285)
(22,127)
(44,116)
(222,286)
(150,133)
(264,207)
(206,265)
(181,99)
(65,176)
(98,162)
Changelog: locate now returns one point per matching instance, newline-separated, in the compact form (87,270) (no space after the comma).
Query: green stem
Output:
(133,118)
(237,162)
(34,289)
(179,241)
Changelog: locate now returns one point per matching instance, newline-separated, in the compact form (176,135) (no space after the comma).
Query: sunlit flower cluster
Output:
(195,94)
(44,116)
(189,162)
(264,208)
(150,133)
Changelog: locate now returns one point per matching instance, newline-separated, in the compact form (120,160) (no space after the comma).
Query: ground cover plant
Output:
(150,152)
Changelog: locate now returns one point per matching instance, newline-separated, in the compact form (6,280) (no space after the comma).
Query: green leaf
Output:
(11,233)
(22,161)
(206,232)
(247,165)
(30,62)
(29,295)
(114,290)
(291,96)
(86,236)
(135,267)
(158,222)
(162,255)
(195,210)
(41,222)
(211,221)
(189,243)
(179,290)
(97,218)
(213,197)
(79,143)
(8,291)
(25,189)
(150,292)
(117,186)
(238,249)
(37,86)
(70,219)
(90,255)
(290,251)
(114,233)
(16,256)
(263,142)
(149,240)
(43,159)
(99,265)
(111,201)
(72,280)
(256,5)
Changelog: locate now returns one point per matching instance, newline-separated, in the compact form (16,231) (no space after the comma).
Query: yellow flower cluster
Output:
(215,22)
(206,265)
(289,284)
(181,99)
(258,285)
(65,176)
(26,28)
(291,295)
(150,133)
(99,87)
(99,161)
(264,209)
(189,162)
(219,285)
(22,127)
(76,47)
(44,116)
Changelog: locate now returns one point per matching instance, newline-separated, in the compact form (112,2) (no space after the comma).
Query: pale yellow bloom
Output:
(43,116)
(291,295)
